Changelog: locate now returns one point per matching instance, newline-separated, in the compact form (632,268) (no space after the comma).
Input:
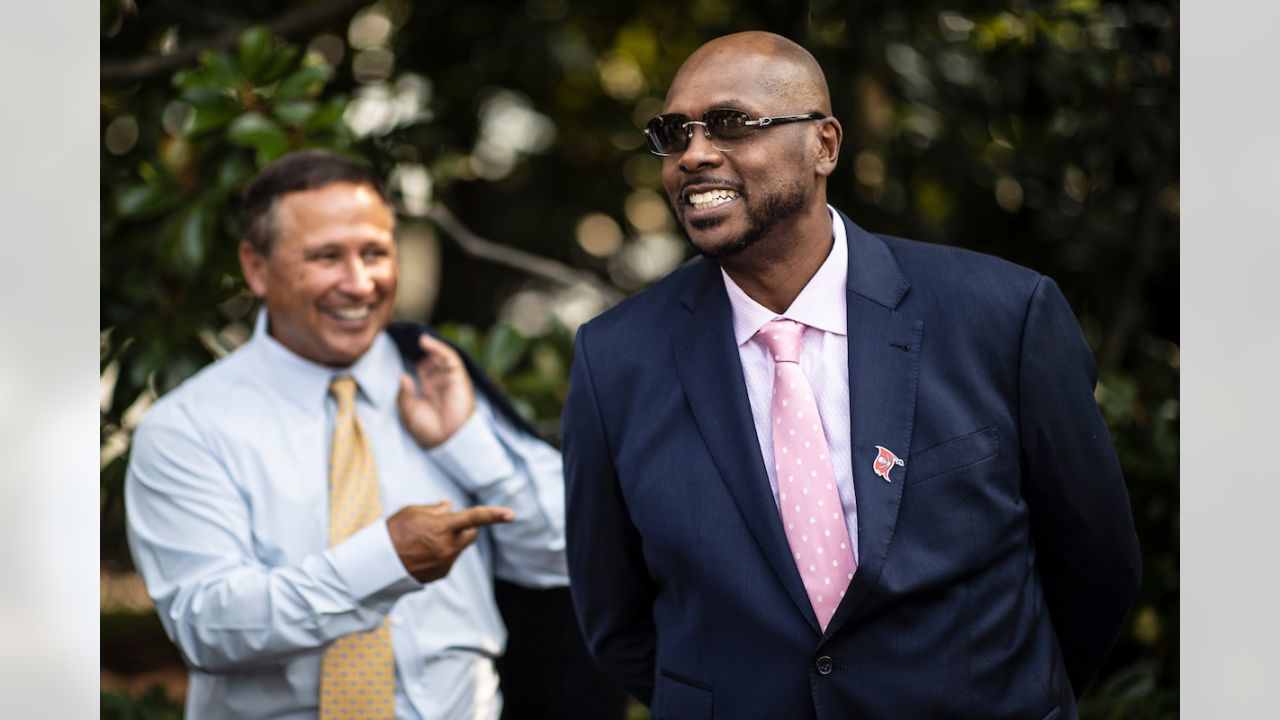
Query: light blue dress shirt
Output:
(227,501)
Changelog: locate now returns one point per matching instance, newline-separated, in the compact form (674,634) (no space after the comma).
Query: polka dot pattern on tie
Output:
(819,539)
(357,672)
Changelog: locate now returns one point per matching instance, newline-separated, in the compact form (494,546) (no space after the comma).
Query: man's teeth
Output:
(711,198)
(355,313)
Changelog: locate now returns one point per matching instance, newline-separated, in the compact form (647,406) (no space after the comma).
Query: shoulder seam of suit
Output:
(581,347)
(1022,341)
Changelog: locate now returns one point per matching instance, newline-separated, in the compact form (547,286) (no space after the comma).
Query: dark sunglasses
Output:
(725,128)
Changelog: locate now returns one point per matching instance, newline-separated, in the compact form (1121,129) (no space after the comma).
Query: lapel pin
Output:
(885,462)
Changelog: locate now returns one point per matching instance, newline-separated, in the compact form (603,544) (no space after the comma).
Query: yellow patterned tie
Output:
(357,675)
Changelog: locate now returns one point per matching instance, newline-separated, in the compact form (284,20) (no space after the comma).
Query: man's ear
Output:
(829,137)
(253,263)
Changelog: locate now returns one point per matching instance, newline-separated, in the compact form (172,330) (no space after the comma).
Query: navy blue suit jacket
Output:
(995,569)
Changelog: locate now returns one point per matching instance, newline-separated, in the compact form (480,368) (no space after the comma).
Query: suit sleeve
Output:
(612,590)
(1086,545)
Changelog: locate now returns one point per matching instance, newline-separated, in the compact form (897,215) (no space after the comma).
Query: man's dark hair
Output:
(295,172)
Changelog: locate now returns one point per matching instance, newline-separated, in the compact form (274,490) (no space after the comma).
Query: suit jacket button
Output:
(823,665)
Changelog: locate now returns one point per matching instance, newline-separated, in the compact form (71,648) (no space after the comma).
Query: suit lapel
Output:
(711,373)
(884,362)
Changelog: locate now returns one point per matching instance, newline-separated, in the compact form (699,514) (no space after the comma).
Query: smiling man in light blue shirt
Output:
(227,489)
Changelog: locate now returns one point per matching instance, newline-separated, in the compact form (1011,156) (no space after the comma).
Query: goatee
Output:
(760,221)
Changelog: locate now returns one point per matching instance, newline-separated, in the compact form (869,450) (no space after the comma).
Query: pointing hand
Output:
(428,538)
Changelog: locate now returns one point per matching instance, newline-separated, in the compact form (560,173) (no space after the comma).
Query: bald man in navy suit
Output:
(973,490)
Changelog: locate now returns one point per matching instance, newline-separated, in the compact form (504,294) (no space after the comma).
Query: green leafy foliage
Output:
(1132,693)
(534,372)
(153,704)
(172,296)
(1043,131)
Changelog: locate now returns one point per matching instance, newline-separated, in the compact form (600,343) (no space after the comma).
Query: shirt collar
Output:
(306,383)
(821,304)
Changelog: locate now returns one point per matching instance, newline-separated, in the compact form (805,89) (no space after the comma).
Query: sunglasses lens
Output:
(667,134)
(728,124)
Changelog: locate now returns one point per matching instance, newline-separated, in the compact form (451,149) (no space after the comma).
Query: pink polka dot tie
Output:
(357,672)
(811,512)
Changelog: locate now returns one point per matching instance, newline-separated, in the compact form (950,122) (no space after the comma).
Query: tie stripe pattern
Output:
(357,672)
(812,515)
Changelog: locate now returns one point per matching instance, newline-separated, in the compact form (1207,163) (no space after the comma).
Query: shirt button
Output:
(396,619)
(823,665)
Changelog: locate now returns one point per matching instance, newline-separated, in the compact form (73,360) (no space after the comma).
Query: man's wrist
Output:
(473,456)
(368,563)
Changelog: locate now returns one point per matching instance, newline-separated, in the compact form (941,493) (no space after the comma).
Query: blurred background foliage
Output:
(1043,131)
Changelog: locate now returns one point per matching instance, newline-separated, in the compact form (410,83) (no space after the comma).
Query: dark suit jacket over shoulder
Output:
(994,570)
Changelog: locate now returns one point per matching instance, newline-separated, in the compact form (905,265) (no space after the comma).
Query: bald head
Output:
(780,67)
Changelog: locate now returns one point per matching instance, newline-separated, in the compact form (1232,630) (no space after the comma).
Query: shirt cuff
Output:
(368,563)
(474,457)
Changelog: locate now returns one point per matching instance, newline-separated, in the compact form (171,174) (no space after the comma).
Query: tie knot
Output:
(782,337)
(343,390)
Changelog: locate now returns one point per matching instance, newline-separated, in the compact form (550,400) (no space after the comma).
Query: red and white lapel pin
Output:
(885,462)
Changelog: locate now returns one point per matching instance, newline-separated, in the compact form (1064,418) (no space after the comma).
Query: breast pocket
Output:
(952,455)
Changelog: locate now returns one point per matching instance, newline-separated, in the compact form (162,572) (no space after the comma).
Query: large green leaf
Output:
(258,132)
(295,112)
(193,239)
(327,114)
(210,111)
(502,349)
(141,201)
(233,170)
(254,49)
(216,71)
(303,82)
(277,64)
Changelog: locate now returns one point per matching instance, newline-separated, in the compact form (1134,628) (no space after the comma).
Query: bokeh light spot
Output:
(599,234)
(329,48)
(642,171)
(121,135)
(1009,194)
(375,65)
(647,211)
(869,169)
(621,77)
(369,29)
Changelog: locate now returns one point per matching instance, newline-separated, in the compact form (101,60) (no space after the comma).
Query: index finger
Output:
(431,345)
(477,516)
